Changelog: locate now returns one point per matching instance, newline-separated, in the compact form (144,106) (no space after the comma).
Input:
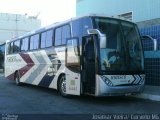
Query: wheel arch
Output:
(62,74)
(15,74)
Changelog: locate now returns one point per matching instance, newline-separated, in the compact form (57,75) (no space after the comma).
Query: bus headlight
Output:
(141,82)
(107,81)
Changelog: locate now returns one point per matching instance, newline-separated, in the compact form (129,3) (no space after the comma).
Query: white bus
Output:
(93,55)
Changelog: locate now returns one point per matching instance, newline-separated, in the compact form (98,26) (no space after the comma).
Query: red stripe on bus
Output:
(29,65)
(26,68)
(11,77)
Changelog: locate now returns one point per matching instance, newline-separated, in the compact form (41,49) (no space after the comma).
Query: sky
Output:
(49,11)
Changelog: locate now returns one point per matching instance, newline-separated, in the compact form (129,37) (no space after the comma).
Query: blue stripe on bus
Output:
(40,67)
(46,80)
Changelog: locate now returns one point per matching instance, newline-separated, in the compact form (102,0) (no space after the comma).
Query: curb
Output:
(148,96)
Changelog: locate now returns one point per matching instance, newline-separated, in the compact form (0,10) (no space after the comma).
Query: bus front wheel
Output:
(62,86)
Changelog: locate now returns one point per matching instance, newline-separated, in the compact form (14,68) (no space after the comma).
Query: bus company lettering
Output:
(118,77)
(73,88)
(13,59)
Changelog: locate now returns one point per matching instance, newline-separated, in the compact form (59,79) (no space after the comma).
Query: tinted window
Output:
(43,40)
(11,48)
(58,36)
(65,33)
(77,28)
(49,38)
(61,34)
(24,44)
(46,39)
(16,47)
(34,42)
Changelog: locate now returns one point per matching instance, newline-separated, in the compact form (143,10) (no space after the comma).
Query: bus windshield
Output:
(123,50)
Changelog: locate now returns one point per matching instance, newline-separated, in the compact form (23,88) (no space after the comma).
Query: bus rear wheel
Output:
(17,79)
(62,86)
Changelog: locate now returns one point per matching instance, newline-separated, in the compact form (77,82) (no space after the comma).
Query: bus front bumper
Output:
(104,90)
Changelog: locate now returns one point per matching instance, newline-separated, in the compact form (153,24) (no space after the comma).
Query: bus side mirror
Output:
(103,38)
(147,37)
(155,44)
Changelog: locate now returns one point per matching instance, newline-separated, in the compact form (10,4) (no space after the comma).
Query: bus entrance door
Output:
(88,64)
(72,70)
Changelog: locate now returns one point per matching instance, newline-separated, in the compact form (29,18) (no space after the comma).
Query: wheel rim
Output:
(63,85)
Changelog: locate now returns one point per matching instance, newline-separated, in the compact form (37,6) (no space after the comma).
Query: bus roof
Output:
(64,22)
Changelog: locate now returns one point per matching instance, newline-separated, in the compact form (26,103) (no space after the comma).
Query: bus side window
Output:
(66,33)
(16,46)
(34,42)
(31,47)
(49,38)
(61,34)
(11,48)
(43,39)
(58,36)
(46,39)
(24,44)
(77,28)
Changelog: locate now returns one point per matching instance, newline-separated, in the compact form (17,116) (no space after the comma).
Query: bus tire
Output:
(62,86)
(17,79)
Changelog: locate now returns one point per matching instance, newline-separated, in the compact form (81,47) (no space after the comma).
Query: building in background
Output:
(14,25)
(135,10)
(145,13)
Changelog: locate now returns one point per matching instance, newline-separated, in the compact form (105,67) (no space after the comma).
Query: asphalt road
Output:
(29,99)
